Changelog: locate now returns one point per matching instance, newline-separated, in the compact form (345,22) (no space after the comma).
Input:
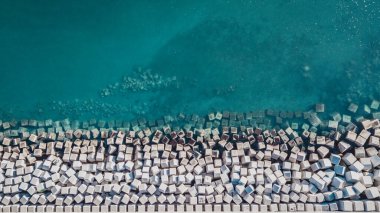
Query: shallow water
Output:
(72,59)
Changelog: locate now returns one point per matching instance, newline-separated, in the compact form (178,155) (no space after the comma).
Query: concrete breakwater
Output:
(258,161)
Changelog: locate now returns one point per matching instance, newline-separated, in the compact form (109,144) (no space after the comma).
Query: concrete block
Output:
(345,205)
(369,206)
(372,192)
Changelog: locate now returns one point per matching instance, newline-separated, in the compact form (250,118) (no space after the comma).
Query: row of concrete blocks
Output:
(345,205)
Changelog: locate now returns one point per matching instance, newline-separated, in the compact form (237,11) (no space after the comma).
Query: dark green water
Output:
(57,57)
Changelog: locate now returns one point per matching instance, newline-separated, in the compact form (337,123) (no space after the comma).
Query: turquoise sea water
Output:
(129,59)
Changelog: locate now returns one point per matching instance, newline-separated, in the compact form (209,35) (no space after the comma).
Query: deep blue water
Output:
(72,59)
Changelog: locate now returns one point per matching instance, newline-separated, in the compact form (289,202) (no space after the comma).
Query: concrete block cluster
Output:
(223,161)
